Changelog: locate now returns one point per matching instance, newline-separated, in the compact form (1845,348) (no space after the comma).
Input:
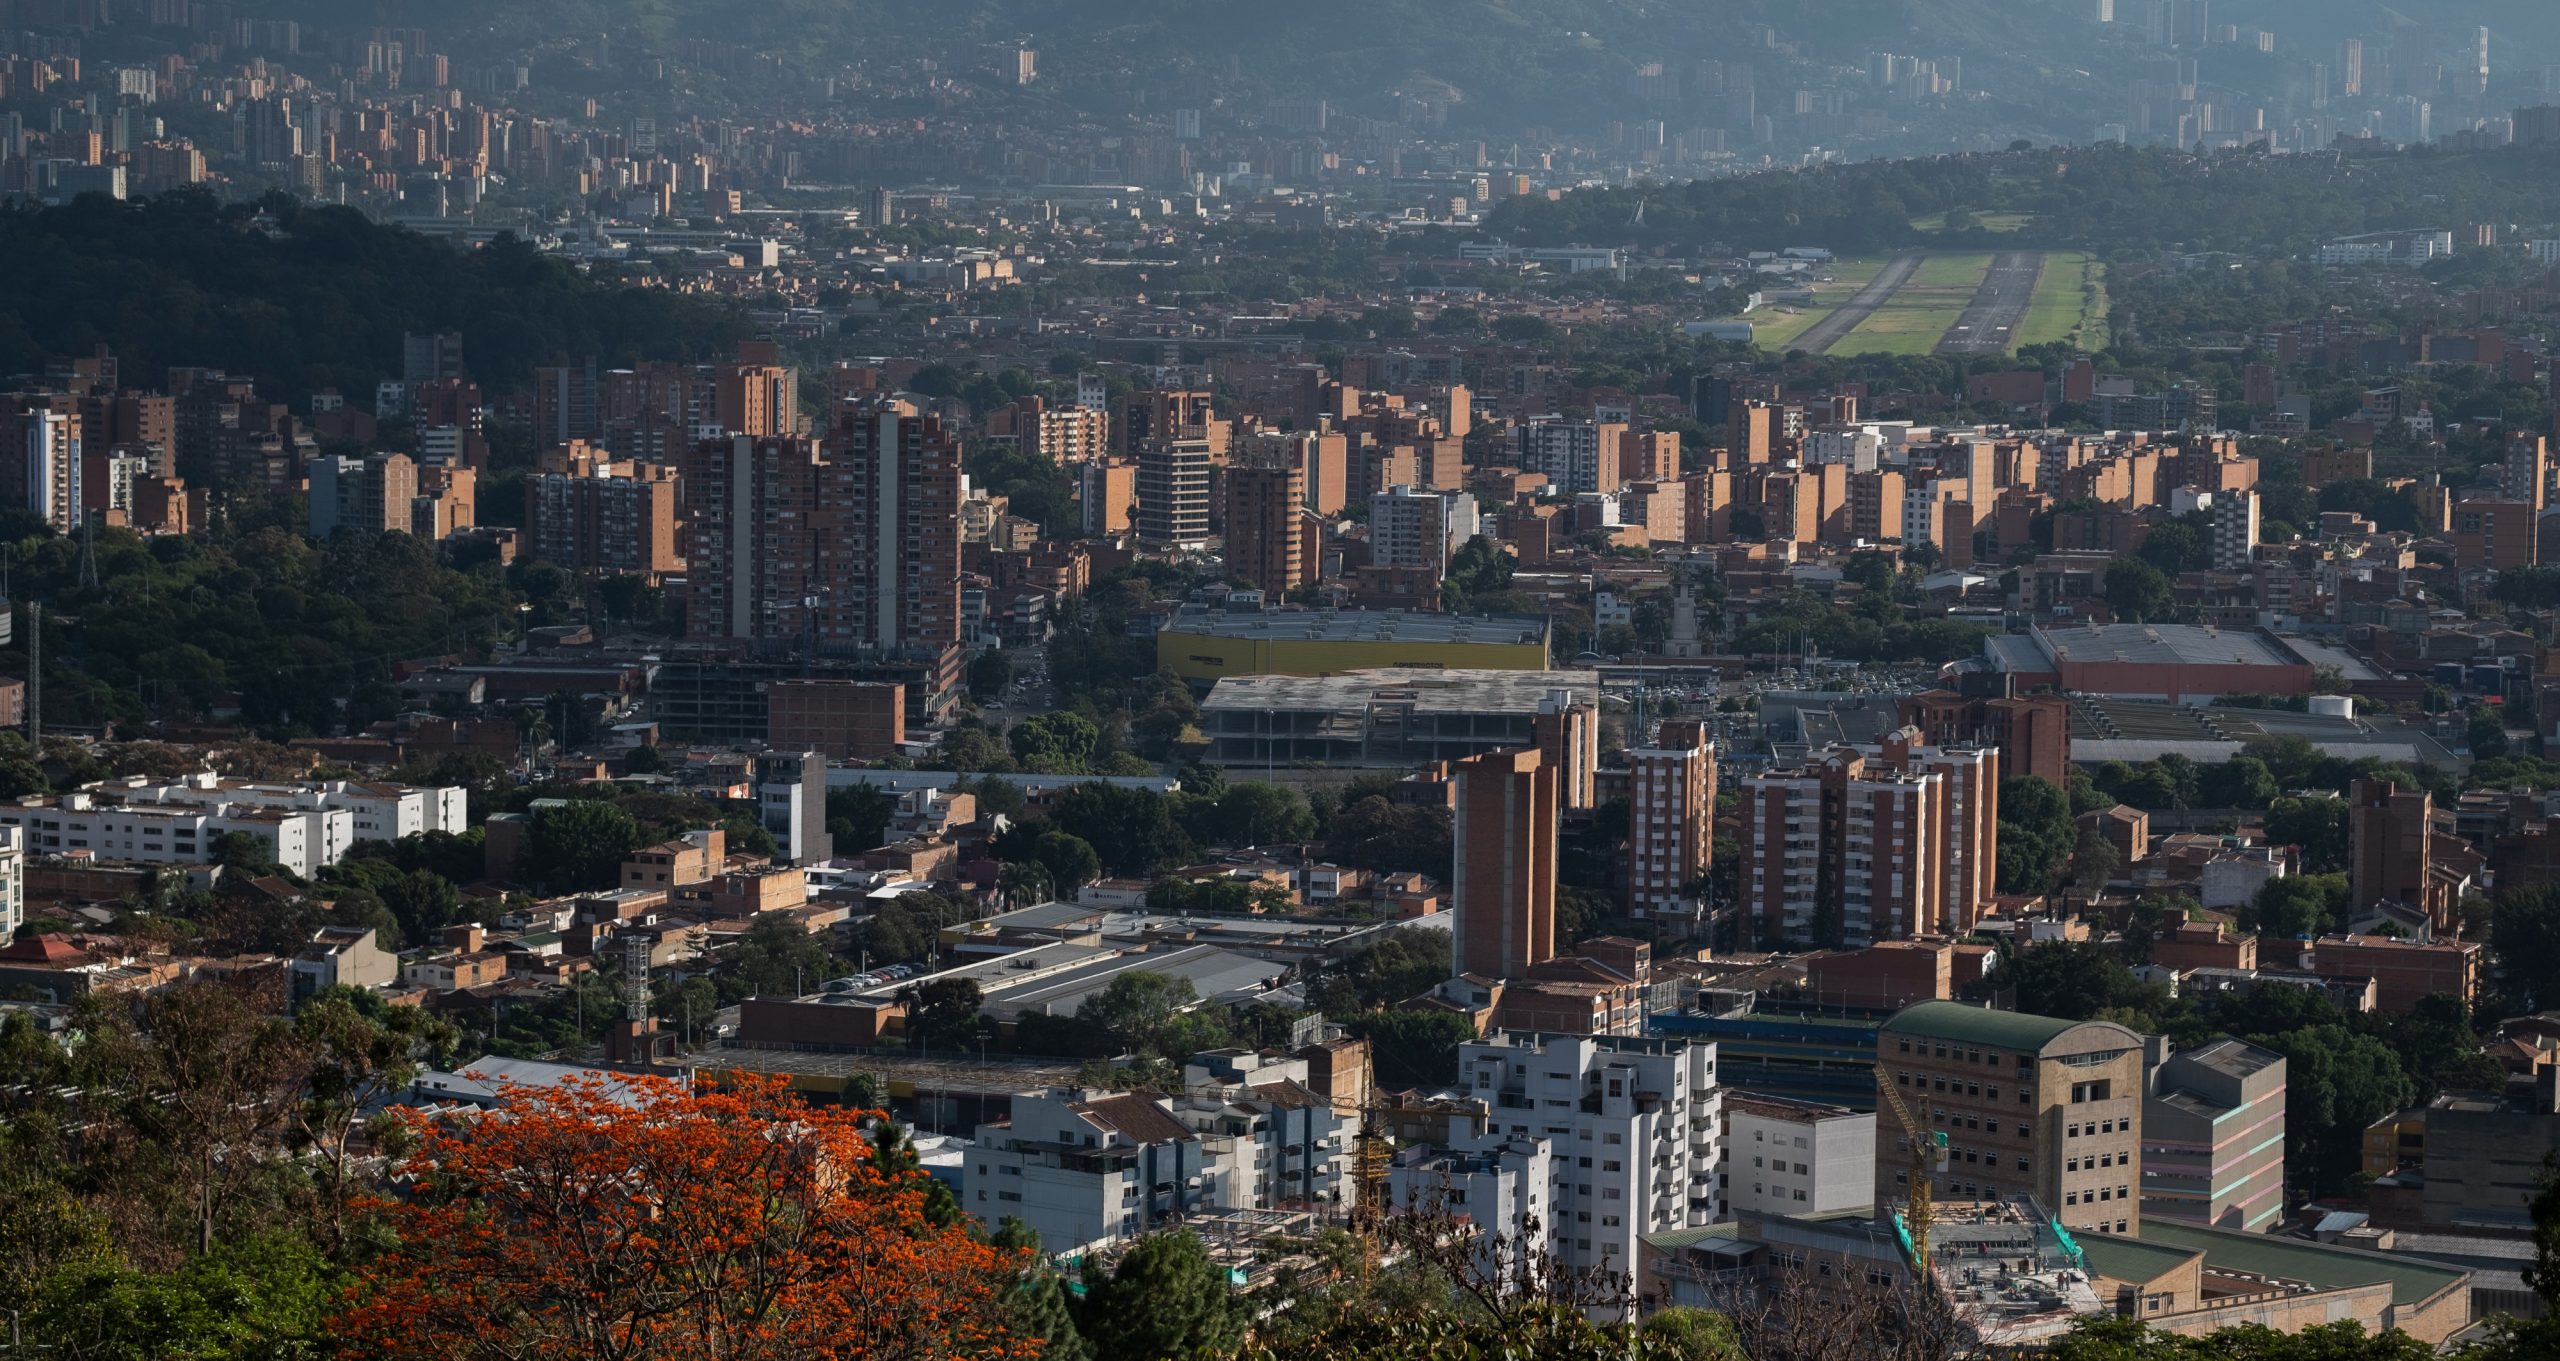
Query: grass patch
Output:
(1776,328)
(1915,319)
(2070,303)
(1989,222)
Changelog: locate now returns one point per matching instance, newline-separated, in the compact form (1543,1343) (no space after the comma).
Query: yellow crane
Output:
(1928,1160)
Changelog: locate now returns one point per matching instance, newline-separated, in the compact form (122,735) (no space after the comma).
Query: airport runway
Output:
(1823,334)
(1989,324)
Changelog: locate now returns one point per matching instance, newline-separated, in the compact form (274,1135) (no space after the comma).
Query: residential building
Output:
(1269,1141)
(1085,1169)
(13,880)
(48,472)
(2404,972)
(694,858)
(1566,731)
(1860,845)
(369,495)
(1784,1157)
(791,791)
(1418,527)
(2022,1103)
(851,545)
(1577,456)
(2213,1135)
(2391,845)
(1264,547)
(342,956)
(1503,884)
(2235,530)
(307,825)
(1671,821)
(1173,492)
(1597,1139)
(844,720)
(617,518)
(1107,496)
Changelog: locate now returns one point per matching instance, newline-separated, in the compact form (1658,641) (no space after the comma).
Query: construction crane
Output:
(1928,1160)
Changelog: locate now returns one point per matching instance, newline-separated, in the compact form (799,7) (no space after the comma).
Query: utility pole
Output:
(35,675)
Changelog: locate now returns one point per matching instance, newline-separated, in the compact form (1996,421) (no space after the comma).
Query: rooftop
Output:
(1346,626)
(2315,1264)
(1976,1025)
(2162,645)
(1452,691)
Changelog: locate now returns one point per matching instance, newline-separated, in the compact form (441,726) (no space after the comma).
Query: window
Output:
(1799,1194)
(2070,1197)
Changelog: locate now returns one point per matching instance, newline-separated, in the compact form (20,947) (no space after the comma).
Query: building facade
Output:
(2213,1135)
(1671,821)
(1503,885)
(1785,1157)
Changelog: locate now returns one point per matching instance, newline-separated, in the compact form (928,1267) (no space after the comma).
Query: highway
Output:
(1989,324)
(1823,334)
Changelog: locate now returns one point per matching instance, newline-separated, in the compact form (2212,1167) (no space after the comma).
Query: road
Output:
(1823,334)
(1989,324)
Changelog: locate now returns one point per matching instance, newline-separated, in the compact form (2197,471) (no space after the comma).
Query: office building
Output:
(851,544)
(1671,821)
(1798,1158)
(2021,1103)
(1264,547)
(1173,492)
(607,517)
(1860,845)
(2213,1135)
(1503,885)
(1586,1144)
(791,796)
(1400,720)
(369,495)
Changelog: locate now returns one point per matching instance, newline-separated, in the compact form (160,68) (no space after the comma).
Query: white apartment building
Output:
(1082,1168)
(1268,1142)
(13,881)
(1570,453)
(1418,527)
(376,812)
(1602,1138)
(1671,822)
(1173,492)
(304,824)
(1797,1158)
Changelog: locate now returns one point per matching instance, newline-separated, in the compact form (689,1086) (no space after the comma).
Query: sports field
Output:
(1916,318)
(2070,303)
(1776,328)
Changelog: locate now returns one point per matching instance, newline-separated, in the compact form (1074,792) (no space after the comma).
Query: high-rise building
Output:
(2527,474)
(851,543)
(1107,496)
(606,517)
(2213,1135)
(365,495)
(48,454)
(1503,890)
(759,399)
(1578,456)
(2351,67)
(1646,1113)
(565,404)
(2235,530)
(1417,528)
(1173,492)
(1671,821)
(435,357)
(1860,845)
(1263,543)
(2391,847)
(791,792)
(1567,733)
(2020,1103)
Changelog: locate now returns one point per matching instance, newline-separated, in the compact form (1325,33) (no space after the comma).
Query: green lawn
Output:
(2070,303)
(1915,319)
(1776,328)
(1991,222)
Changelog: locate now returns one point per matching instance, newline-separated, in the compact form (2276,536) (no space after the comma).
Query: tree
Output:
(625,1218)
(1137,1006)
(943,1014)
(1374,834)
(1257,814)
(2241,782)
(1414,1048)
(1693,1335)
(2300,905)
(2524,935)
(2318,824)
(989,673)
(241,853)
(2072,980)
(1132,830)
(2336,1083)
(1163,1298)
(269,1296)
(2138,593)
(858,816)
(1069,859)
(1055,743)
(579,844)
(363,1051)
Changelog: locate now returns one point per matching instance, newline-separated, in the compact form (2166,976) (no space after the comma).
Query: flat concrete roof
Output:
(1347,626)
(2163,645)
(1456,691)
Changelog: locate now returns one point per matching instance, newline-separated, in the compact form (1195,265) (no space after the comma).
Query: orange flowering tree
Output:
(626,1219)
